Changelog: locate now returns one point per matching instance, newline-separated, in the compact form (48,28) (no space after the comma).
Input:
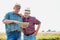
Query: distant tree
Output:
(49,30)
(43,31)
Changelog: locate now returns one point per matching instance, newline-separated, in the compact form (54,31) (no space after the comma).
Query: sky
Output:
(47,11)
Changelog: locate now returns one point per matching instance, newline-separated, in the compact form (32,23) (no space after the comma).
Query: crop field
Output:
(40,36)
(48,36)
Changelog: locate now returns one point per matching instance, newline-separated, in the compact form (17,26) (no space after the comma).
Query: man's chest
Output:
(30,20)
(15,17)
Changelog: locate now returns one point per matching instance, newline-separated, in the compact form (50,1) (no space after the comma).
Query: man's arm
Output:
(38,23)
(36,31)
(10,21)
(7,21)
(21,15)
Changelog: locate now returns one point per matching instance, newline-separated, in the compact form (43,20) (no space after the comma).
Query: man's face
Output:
(26,14)
(16,10)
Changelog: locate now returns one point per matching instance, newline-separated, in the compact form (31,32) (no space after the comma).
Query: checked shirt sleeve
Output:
(36,21)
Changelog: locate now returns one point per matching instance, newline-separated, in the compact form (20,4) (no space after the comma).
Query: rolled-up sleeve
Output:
(36,21)
(6,17)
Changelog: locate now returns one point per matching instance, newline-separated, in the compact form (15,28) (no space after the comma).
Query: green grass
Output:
(48,36)
(40,36)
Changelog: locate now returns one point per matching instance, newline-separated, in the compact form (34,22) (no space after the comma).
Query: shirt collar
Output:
(28,17)
(16,14)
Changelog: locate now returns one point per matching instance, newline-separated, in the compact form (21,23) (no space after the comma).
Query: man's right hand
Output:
(25,24)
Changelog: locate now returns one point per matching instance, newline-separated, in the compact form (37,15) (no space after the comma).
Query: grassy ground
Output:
(2,36)
(40,36)
(48,36)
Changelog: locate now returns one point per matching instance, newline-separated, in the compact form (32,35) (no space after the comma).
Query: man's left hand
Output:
(35,33)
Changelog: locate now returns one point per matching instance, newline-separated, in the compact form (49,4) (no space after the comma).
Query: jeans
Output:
(30,37)
(14,36)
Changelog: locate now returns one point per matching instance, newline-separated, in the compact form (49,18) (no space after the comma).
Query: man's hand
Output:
(36,32)
(25,24)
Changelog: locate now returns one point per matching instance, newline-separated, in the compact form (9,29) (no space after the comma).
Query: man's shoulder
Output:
(9,13)
(32,17)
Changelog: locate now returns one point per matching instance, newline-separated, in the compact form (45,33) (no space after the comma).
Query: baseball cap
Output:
(27,10)
(18,6)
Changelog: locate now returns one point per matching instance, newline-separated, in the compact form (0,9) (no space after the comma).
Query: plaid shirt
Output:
(31,27)
(12,26)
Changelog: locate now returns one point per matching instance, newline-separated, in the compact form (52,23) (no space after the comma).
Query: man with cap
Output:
(11,20)
(30,32)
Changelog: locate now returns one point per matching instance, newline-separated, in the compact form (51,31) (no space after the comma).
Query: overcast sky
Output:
(47,11)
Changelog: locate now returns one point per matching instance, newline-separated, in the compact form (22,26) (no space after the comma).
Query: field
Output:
(48,36)
(40,36)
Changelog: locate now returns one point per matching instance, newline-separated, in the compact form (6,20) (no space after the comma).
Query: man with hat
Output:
(30,32)
(11,20)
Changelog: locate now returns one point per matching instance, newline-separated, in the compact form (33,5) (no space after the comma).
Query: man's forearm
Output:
(7,21)
(38,28)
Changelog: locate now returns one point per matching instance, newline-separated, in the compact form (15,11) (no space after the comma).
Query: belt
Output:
(29,34)
(14,31)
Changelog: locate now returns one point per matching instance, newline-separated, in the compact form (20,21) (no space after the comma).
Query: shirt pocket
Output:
(13,17)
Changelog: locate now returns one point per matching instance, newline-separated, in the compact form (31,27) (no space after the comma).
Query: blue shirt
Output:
(12,26)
